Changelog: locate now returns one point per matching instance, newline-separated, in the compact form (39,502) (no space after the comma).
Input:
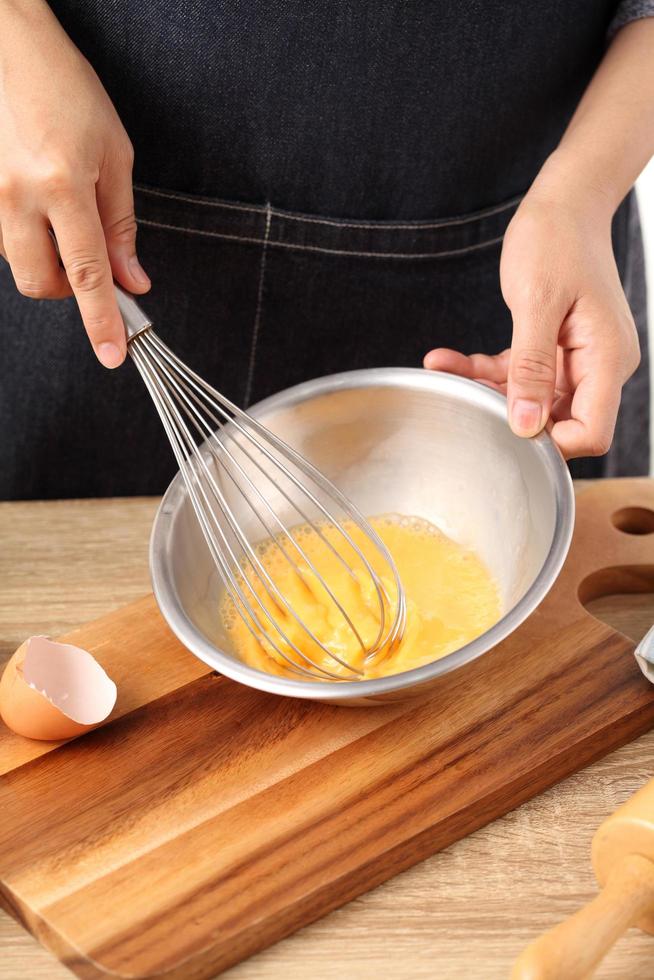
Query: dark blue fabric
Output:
(381,109)
(320,187)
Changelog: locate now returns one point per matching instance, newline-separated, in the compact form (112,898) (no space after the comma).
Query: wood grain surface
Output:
(464,913)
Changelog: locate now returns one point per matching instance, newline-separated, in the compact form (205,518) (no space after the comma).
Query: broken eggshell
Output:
(51,691)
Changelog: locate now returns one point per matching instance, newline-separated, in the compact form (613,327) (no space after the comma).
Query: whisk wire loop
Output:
(204,514)
(349,508)
(211,442)
(230,441)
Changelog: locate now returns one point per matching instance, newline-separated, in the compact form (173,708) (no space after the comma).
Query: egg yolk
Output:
(323,602)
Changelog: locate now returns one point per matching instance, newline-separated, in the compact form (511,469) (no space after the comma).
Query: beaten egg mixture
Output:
(451,598)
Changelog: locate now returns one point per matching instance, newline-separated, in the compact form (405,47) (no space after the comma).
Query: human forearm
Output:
(610,138)
(66,165)
(574,342)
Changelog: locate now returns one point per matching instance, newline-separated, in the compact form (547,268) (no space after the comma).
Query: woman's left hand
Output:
(574,341)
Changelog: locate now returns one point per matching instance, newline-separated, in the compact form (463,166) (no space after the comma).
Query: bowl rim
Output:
(172,611)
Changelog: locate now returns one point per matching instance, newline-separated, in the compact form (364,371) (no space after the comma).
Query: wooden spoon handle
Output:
(572,949)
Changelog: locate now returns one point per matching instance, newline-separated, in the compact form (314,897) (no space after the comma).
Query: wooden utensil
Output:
(208,820)
(623,859)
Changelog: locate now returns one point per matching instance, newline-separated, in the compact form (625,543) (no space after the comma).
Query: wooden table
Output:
(464,913)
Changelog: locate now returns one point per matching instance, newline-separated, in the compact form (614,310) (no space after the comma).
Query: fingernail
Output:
(110,355)
(137,271)
(525,417)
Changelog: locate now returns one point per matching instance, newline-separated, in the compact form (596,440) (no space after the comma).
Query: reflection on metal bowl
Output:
(394,440)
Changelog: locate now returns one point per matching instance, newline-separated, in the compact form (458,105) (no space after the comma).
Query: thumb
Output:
(116,209)
(532,367)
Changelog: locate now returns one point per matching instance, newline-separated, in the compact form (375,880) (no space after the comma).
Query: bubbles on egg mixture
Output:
(304,531)
(230,616)
(419,524)
(451,595)
(276,553)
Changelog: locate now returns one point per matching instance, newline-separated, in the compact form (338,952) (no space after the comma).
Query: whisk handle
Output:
(135,320)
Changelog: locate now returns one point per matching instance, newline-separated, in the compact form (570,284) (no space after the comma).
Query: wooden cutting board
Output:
(206,820)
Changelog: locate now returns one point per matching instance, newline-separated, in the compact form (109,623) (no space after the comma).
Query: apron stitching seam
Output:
(254,209)
(411,226)
(308,219)
(259,308)
(317,248)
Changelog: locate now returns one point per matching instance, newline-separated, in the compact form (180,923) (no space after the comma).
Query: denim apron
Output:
(319,187)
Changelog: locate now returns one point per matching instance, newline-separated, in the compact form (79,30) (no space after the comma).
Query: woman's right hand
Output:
(65,164)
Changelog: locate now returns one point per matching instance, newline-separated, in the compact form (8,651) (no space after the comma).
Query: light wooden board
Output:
(261,790)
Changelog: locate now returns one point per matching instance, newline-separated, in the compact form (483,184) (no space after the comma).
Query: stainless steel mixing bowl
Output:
(395,440)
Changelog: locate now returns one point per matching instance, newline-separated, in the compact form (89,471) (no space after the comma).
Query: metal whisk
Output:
(230,462)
